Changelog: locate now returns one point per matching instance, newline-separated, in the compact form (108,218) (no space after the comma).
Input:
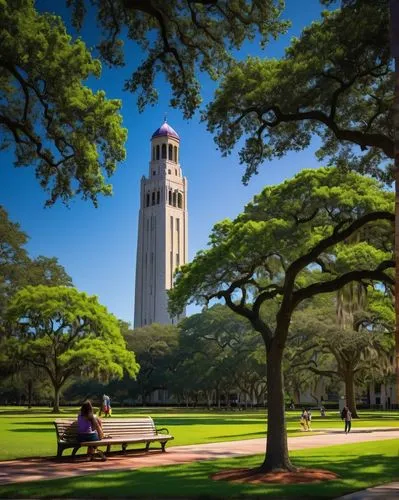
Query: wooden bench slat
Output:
(141,439)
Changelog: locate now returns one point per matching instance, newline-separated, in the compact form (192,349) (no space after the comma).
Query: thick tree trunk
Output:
(350,393)
(396,126)
(276,457)
(56,405)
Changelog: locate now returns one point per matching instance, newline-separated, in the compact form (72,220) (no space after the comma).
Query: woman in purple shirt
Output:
(90,429)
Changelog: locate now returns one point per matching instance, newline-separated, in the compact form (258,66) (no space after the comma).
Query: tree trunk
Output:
(30,390)
(56,405)
(276,457)
(297,396)
(396,132)
(350,393)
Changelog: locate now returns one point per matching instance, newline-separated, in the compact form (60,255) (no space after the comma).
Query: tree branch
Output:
(336,284)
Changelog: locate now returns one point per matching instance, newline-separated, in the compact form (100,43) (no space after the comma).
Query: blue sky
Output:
(97,247)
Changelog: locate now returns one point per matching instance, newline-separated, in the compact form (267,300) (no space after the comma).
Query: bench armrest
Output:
(161,430)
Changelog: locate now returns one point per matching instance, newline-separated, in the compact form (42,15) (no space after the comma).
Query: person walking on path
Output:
(304,420)
(106,406)
(346,415)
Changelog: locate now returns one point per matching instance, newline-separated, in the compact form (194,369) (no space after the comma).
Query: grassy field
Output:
(359,466)
(27,433)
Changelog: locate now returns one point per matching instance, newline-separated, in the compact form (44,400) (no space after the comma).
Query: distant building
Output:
(162,243)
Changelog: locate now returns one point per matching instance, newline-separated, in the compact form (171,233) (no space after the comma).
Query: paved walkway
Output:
(385,492)
(35,469)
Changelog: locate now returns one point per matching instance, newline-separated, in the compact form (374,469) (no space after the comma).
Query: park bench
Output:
(121,431)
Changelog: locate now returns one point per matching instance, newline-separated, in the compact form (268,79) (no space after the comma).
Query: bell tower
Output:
(162,230)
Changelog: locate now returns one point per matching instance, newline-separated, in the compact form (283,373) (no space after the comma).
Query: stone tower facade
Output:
(162,230)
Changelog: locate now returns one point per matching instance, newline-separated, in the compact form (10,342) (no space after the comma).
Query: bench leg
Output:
(163,444)
(147,446)
(60,449)
(124,446)
(108,448)
(75,450)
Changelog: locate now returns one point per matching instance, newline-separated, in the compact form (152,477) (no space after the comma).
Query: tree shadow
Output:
(193,480)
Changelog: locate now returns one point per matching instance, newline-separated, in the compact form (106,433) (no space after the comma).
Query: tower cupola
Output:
(165,143)
(165,130)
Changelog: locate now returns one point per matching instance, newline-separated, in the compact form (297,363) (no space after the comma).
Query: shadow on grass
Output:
(206,421)
(193,480)
(246,435)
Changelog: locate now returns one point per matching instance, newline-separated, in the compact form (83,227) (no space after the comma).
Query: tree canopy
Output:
(287,228)
(353,351)
(71,134)
(18,269)
(66,332)
(287,246)
(179,38)
(154,346)
(335,81)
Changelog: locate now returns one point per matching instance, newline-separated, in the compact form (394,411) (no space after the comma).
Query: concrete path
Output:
(35,469)
(385,492)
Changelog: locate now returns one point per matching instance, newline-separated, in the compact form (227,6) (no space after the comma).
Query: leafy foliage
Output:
(335,81)
(154,346)
(178,38)
(72,135)
(282,251)
(18,270)
(284,233)
(360,350)
(66,332)
(218,353)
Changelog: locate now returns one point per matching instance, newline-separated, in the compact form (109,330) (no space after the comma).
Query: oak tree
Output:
(269,254)
(179,38)
(72,135)
(65,332)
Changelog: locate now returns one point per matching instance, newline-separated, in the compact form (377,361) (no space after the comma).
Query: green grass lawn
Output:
(359,466)
(27,433)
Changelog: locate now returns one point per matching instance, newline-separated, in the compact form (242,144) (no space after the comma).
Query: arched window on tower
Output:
(175,153)
(174,198)
(148,200)
(153,197)
(170,152)
(170,197)
(180,200)
(158,197)
(164,151)
(158,152)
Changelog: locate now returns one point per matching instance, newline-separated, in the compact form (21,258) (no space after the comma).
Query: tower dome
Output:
(165,130)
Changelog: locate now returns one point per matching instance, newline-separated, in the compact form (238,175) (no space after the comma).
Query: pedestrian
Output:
(348,421)
(304,420)
(309,420)
(322,411)
(346,415)
(106,406)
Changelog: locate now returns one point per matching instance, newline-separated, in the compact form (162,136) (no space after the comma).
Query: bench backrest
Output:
(67,429)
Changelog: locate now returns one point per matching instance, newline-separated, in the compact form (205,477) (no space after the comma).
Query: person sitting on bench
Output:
(90,429)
